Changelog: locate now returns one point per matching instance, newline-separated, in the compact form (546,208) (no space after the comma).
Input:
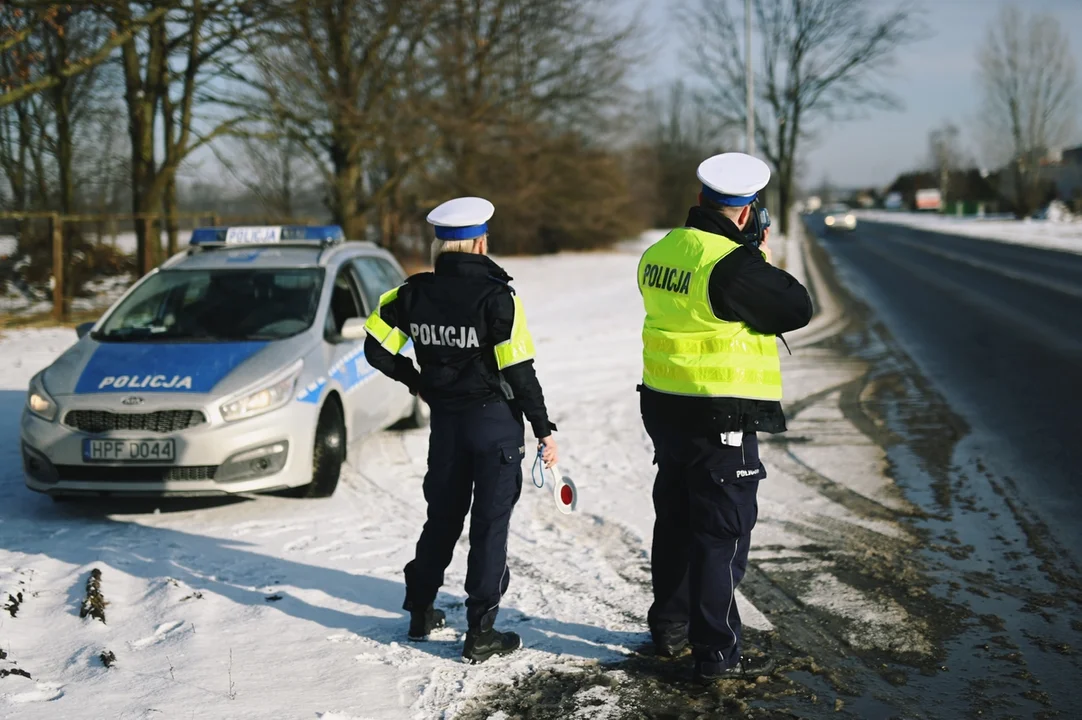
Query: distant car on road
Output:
(840,217)
(236,367)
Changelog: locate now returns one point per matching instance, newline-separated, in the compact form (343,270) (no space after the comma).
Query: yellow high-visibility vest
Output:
(687,350)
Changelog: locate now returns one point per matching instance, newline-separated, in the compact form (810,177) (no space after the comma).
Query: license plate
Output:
(123,451)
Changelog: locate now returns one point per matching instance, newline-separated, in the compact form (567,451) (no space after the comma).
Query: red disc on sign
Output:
(566,496)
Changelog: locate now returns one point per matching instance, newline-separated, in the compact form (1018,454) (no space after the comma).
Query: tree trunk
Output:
(142,98)
(18,179)
(64,162)
(169,206)
(344,205)
(785,201)
(384,214)
(287,179)
(784,173)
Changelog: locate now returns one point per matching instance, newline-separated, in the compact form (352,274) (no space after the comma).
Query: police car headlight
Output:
(267,398)
(39,402)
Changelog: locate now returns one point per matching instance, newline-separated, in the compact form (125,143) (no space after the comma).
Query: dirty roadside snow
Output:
(285,608)
(1065,236)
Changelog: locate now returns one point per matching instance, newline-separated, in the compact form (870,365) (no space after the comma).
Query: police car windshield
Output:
(209,305)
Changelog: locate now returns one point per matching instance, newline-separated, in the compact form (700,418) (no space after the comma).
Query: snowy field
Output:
(283,608)
(1065,236)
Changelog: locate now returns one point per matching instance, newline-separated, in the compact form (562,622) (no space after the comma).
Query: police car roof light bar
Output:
(291,235)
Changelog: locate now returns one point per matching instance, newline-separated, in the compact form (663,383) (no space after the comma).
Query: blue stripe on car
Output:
(162,367)
(350,373)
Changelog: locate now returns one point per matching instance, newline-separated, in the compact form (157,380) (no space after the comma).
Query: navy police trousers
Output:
(474,455)
(705,506)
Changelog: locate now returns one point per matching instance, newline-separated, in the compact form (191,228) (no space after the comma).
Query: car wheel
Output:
(327,455)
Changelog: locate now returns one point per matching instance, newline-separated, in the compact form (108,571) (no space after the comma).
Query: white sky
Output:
(935,79)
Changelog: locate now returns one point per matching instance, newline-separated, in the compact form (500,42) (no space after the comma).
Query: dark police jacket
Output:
(743,287)
(456,316)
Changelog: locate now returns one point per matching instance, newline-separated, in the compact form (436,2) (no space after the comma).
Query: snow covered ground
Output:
(273,607)
(125,241)
(1066,236)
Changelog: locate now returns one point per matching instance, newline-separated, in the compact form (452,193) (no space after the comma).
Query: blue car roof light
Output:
(267,235)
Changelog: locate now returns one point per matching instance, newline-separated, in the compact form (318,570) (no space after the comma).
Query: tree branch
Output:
(80,66)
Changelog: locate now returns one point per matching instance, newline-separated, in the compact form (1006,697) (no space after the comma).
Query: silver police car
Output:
(236,367)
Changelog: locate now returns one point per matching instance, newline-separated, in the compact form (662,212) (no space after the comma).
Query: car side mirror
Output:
(354,329)
(82,329)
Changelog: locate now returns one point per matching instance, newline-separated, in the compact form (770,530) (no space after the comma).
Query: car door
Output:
(365,397)
(377,276)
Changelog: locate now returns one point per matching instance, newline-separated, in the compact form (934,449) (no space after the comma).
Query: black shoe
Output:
(483,644)
(423,622)
(710,667)
(669,640)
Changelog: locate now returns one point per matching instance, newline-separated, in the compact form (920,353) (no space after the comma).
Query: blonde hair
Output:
(444,246)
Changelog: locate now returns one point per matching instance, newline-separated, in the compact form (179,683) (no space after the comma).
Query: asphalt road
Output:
(997,328)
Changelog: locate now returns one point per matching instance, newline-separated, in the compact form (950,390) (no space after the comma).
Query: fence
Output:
(59,251)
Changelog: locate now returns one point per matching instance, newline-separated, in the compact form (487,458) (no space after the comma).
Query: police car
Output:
(236,367)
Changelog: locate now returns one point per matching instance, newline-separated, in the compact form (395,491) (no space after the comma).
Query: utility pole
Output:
(750,142)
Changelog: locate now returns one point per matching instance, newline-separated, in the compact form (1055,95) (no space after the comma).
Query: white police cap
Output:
(463,218)
(733,179)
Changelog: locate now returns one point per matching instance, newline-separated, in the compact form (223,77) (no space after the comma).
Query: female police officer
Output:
(477,375)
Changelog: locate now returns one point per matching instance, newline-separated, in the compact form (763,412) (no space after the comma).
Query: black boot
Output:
(423,622)
(480,646)
(484,641)
(669,640)
(710,666)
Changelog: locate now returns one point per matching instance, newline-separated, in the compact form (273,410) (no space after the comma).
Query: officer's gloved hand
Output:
(550,454)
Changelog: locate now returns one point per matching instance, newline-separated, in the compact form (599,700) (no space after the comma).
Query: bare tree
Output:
(21,146)
(527,92)
(679,134)
(945,154)
(504,62)
(335,74)
(167,71)
(1028,78)
(24,77)
(71,100)
(821,61)
(275,168)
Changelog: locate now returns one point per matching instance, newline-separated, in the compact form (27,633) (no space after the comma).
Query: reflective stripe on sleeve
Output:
(389,337)
(395,341)
(519,348)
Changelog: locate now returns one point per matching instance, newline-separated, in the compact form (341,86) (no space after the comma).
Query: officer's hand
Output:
(550,454)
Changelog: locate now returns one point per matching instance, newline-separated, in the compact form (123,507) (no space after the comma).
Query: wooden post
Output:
(59,309)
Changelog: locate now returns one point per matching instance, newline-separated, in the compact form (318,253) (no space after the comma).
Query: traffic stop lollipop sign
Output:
(564,492)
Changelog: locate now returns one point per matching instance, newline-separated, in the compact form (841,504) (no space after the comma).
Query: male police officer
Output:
(476,356)
(711,380)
